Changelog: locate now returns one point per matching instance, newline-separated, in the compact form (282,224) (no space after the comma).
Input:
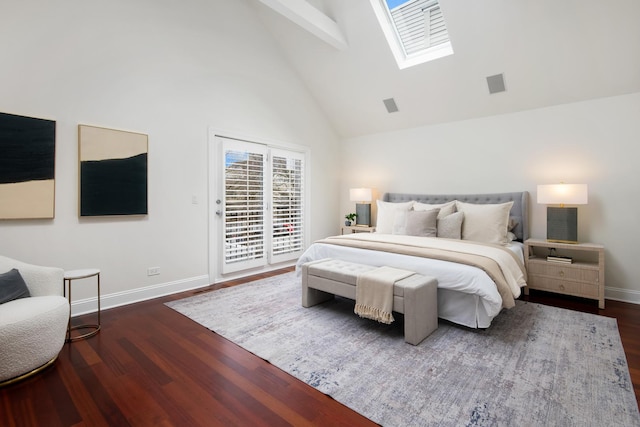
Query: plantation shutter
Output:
(435,31)
(244,205)
(262,205)
(287,185)
(419,25)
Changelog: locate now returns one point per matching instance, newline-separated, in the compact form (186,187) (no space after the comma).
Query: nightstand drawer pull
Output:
(561,273)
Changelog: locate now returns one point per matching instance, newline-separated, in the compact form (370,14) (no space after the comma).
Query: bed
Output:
(467,294)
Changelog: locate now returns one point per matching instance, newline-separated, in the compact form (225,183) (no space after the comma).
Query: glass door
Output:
(243,207)
(287,204)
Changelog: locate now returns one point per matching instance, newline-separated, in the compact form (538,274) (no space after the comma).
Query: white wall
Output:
(585,51)
(169,69)
(593,142)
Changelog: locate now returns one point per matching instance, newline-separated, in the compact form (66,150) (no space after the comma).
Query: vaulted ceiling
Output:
(551,52)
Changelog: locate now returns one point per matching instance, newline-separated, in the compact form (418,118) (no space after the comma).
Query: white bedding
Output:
(466,294)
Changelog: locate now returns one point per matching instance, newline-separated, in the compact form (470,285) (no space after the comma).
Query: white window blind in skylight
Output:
(420,25)
(415,30)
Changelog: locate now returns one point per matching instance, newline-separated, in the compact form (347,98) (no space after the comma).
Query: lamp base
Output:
(562,225)
(363,214)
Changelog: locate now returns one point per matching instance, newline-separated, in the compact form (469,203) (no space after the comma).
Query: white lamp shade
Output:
(563,194)
(360,194)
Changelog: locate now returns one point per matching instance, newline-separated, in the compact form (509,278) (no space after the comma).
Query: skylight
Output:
(415,30)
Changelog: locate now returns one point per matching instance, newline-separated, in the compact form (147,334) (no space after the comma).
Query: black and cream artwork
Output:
(113,172)
(27,167)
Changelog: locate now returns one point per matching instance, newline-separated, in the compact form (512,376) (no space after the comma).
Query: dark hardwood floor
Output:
(151,366)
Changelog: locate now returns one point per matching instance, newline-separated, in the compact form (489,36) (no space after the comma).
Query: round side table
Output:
(74,275)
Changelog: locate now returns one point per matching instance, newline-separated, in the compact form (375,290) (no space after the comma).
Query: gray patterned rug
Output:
(535,366)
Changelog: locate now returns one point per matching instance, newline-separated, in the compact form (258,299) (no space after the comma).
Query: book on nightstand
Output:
(560,259)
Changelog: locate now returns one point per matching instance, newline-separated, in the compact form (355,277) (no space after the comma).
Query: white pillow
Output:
(485,223)
(400,221)
(445,208)
(387,215)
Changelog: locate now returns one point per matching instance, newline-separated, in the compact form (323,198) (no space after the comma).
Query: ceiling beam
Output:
(311,19)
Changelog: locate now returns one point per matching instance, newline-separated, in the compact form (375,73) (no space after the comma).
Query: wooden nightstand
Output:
(584,277)
(356,229)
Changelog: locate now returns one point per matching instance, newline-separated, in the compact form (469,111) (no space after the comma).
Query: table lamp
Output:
(362,197)
(562,222)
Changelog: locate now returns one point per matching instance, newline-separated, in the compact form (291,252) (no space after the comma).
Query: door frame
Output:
(215,190)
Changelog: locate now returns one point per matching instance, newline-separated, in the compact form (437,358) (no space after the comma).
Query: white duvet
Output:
(451,276)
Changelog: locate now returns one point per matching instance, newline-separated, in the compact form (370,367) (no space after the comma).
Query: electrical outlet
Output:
(153,271)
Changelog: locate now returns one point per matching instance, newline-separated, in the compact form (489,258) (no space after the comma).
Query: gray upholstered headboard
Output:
(519,210)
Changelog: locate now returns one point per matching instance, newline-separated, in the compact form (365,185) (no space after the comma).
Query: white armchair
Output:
(32,330)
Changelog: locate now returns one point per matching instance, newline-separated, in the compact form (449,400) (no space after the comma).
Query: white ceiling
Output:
(551,52)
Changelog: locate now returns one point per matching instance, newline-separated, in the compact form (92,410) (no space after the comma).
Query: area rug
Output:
(535,366)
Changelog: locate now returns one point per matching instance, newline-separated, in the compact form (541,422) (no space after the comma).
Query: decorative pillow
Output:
(386,215)
(422,223)
(485,223)
(450,227)
(12,286)
(399,222)
(445,208)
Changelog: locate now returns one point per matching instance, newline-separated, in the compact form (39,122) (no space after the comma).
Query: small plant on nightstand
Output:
(349,219)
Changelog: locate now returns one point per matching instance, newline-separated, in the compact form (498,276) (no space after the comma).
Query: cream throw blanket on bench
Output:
(374,293)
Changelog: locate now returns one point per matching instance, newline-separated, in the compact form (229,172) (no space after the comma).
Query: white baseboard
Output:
(118,299)
(251,272)
(624,295)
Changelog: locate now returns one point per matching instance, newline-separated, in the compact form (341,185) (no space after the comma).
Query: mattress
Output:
(466,294)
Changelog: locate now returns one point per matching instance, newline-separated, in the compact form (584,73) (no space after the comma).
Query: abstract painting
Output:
(27,167)
(113,172)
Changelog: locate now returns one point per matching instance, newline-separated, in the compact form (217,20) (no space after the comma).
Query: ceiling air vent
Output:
(496,83)
(391,105)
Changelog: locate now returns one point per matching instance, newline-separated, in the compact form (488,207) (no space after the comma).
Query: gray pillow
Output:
(12,286)
(450,227)
(422,223)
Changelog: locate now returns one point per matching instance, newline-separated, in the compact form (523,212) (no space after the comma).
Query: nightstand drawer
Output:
(564,272)
(555,285)
(590,291)
(584,290)
(347,229)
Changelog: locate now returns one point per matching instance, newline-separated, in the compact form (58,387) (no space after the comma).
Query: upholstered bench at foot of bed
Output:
(415,296)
